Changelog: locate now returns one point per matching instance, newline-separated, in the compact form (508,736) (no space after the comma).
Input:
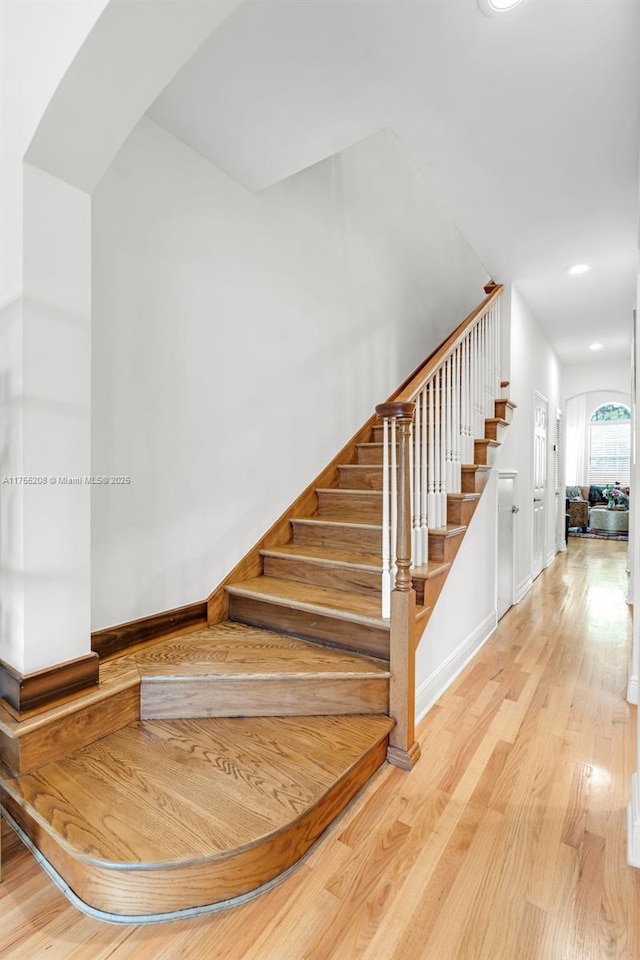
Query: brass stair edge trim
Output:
(376,673)
(219,856)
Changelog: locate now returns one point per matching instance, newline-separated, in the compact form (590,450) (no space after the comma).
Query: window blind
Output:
(609,452)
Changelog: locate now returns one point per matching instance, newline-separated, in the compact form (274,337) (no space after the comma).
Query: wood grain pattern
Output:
(369,454)
(235,670)
(354,607)
(237,650)
(338,534)
(428,581)
(413,871)
(24,693)
(280,532)
(250,811)
(403,750)
(27,744)
(505,409)
(326,566)
(273,696)
(445,542)
(312,624)
(169,623)
(484,450)
(475,477)
(361,476)
(351,505)
(461,507)
(494,428)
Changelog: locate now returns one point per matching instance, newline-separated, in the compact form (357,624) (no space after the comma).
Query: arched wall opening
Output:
(131,52)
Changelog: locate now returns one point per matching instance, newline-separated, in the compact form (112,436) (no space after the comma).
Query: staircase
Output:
(207,764)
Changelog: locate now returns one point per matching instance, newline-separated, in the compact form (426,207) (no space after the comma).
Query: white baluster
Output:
(467,453)
(437,471)
(488,383)
(424,522)
(394,502)
(451,424)
(431,500)
(498,376)
(386,527)
(456,431)
(479,431)
(414,478)
(386,552)
(443,451)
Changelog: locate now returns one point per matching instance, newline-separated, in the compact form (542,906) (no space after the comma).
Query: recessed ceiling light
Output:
(491,7)
(595,346)
(578,268)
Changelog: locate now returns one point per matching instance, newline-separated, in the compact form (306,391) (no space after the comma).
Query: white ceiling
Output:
(525,123)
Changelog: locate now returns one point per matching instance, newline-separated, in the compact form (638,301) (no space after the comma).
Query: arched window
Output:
(610,445)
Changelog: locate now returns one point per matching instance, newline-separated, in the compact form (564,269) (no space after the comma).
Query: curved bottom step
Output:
(167,816)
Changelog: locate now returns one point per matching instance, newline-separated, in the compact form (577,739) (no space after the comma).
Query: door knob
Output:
(515,509)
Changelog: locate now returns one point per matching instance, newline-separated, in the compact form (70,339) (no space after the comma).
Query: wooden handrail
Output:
(447,369)
(412,386)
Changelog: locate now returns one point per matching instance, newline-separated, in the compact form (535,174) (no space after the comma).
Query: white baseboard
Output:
(632,689)
(562,546)
(523,588)
(633,823)
(431,689)
(550,558)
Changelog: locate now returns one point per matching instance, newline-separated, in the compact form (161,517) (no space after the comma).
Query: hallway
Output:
(506,842)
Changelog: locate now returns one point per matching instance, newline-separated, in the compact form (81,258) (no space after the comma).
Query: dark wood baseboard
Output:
(24,692)
(113,640)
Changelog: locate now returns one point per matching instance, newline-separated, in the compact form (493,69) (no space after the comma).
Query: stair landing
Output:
(169,815)
(233,669)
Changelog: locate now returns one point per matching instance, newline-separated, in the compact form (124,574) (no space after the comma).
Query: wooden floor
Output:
(506,842)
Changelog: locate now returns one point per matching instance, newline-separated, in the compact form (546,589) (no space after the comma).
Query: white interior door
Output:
(558,484)
(539,482)
(507,510)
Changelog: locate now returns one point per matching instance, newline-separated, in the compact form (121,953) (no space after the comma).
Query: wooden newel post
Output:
(403,751)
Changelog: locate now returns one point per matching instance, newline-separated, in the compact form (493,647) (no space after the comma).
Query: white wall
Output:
(577,414)
(239,340)
(465,614)
(533,366)
(43,313)
(457,629)
(586,386)
(39,40)
(601,374)
(76,78)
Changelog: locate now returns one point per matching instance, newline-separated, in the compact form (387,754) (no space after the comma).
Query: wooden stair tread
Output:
(315,599)
(487,442)
(115,675)
(321,554)
(451,530)
(480,467)
(355,491)
(215,806)
(432,568)
(498,420)
(231,649)
(464,496)
(340,524)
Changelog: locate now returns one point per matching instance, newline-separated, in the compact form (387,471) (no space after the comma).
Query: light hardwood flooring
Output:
(506,842)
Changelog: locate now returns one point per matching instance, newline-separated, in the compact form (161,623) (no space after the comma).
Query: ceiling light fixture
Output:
(578,268)
(491,7)
(595,346)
